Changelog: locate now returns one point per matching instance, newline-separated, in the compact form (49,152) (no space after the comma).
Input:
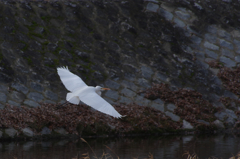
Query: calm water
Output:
(164,147)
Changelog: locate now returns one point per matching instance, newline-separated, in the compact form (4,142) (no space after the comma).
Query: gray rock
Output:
(61,131)
(111,84)
(226,44)
(168,15)
(187,125)
(231,113)
(3,89)
(172,116)
(14,103)
(31,103)
(16,96)
(50,95)
(112,94)
(195,39)
(230,122)
(125,100)
(2,106)
(221,115)
(152,7)
(129,85)
(159,101)
(183,15)
(237,45)
(223,34)
(212,29)
(146,72)
(159,76)
(143,83)
(3,97)
(36,86)
(211,38)
(204,122)
(35,96)
(211,54)
(227,53)
(28,132)
(179,23)
(230,94)
(171,107)
(219,124)
(128,93)
(46,131)
(20,88)
(210,46)
(10,132)
(158,106)
(237,58)
(227,61)
(142,101)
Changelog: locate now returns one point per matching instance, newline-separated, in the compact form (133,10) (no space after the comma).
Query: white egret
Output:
(89,95)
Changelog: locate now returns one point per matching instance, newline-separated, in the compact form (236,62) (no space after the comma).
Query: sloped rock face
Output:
(123,45)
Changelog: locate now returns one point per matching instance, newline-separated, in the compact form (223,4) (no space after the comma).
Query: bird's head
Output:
(101,88)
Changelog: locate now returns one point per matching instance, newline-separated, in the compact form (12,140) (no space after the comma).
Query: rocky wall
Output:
(123,45)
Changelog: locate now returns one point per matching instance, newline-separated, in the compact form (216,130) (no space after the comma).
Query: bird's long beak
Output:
(106,88)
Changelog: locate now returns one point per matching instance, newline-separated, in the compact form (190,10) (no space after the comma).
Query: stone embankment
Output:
(123,45)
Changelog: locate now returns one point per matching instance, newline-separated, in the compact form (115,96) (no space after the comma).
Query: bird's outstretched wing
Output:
(70,80)
(92,99)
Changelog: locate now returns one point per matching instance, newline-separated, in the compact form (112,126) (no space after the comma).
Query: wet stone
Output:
(227,53)
(128,93)
(172,116)
(31,103)
(211,38)
(210,46)
(14,103)
(20,88)
(203,122)
(141,101)
(219,124)
(211,54)
(159,101)
(179,23)
(3,89)
(226,44)
(11,132)
(158,106)
(36,87)
(152,7)
(227,61)
(111,84)
(187,125)
(223,34)
(3,97)
(237,58)
(230,94)
(231,113)
(196,39)
(51,95)
(143,83)
(220,115)
(168,15)
(112,94)
(35,96)
(125,100)
(16,96)
(46,131)
(61,131)
(171,107)
(183,15)
(146,72)
(129,85)
(212,29)
(2,106)
(161,77)
(28,132)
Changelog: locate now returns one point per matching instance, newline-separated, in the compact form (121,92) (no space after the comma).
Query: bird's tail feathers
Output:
(72,98)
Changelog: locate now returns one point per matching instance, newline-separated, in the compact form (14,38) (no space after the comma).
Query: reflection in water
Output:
(126,148)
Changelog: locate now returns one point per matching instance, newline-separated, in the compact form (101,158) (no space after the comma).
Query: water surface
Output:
(221,146)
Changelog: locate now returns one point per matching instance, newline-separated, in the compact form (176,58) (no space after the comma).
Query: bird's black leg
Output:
(59,106)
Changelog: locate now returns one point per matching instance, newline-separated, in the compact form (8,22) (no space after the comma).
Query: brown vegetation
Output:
(190,104)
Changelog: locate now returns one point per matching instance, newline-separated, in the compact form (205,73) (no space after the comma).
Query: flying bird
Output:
(89,95)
